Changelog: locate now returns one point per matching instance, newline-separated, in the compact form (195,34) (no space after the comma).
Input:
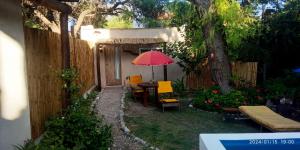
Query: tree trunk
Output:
(218,60)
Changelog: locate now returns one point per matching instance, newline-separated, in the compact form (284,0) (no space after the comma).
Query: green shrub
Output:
(77,127)
(212,99)
(275,89)
(233,99)
(208,99)
(254,96)
(179,87)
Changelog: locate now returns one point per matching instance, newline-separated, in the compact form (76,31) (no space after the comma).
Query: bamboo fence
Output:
(44,65)
(244,74)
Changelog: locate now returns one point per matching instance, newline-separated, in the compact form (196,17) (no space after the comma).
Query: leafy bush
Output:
(77,127)
(212,99)
(208,99)
(179,87)
(275,89)
(254,96)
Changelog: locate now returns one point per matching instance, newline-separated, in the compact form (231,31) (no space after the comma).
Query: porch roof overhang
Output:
(132,41)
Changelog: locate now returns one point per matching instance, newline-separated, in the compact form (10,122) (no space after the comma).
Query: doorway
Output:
(113,73)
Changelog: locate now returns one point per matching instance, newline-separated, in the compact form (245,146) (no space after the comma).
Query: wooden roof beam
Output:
(55,5)
(69,0)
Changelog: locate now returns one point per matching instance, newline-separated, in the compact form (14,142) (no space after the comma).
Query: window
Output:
(117,64)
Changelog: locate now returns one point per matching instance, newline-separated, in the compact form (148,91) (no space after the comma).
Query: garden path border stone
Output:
(125,128)
(108,106)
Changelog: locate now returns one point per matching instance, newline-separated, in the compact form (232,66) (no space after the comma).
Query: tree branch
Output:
(117,4)
(54,27)
(80,20)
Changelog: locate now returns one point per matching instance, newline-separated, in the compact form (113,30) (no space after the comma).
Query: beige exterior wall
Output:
(106,35)
(134,36)
(127,68)
(14,109)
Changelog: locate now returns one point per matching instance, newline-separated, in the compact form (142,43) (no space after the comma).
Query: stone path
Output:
(108,106)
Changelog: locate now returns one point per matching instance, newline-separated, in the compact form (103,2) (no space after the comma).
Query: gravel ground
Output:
(108,106)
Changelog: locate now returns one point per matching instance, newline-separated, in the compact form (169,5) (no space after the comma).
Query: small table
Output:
(146,86)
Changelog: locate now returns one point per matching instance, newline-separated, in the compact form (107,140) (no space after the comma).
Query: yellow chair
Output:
(165,87)
(133,82)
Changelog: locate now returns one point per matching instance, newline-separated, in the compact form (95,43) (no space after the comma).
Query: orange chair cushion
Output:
(135,79)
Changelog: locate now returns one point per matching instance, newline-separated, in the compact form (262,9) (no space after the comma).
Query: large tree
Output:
(84,12)
(224,25)
(149,13)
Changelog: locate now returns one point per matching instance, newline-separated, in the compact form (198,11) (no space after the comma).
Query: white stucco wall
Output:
(14,108)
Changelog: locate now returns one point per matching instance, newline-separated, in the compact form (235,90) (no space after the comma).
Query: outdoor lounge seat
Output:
(269,119)
(133,82)
(165,87)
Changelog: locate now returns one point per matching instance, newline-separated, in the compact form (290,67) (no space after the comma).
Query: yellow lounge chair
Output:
(269,119)
(166,87)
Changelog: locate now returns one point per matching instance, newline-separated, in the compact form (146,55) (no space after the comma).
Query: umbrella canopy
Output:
(152,58)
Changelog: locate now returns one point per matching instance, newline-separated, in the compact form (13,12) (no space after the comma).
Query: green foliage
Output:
(188,57)
(179,87)
(236,22)
(275,89)
(69,77)
(254,96)
(119,22)
(147,12)
(281,35)
(78,127)
(28,145)
(282,87)
(213,100)
(192,51)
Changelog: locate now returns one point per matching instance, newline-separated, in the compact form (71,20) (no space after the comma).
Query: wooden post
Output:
(65,49)
(98,66)
(165,66)
(65,45)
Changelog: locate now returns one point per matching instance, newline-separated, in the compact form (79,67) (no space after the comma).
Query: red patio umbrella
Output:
(152,58)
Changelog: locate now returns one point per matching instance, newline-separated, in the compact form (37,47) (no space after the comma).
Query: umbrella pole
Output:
(152,74)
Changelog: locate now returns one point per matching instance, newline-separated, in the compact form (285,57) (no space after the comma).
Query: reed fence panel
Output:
(44,65)
(244,73)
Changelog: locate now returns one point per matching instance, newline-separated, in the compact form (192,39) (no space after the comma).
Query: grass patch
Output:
(180,129)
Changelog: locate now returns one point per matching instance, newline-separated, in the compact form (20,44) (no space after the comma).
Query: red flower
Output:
(217,106)
(209,101)
(215,91)
(259,97)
